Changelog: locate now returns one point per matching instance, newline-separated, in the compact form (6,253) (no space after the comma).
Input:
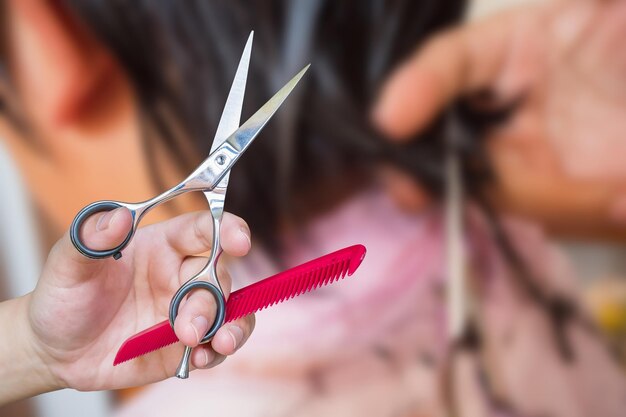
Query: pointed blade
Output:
(231,115)
(243,137)
(229,122)
(255,297)
(219,162)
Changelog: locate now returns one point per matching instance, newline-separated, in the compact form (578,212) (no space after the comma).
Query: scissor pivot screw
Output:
(221,159)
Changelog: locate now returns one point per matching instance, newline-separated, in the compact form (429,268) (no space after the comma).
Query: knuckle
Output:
(235,222)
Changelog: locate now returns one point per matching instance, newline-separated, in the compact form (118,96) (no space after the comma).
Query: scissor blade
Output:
(229,122)
(231,116)
(218,164)
(243,137)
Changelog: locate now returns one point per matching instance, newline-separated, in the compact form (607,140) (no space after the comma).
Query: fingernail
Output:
(106,219)
(246,233)
(206,358)
(200,326)
(209,356)
(237,335)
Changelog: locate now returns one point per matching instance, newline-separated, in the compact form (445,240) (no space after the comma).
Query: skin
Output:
(67,331)
(558,160)
(83,115)
(85,141)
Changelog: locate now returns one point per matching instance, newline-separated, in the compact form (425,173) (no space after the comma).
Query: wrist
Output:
(26,369)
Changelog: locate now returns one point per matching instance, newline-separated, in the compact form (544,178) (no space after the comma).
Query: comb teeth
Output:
(293,282)
(255,297)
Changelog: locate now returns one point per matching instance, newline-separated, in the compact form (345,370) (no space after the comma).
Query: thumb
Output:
(451,64)
(106,230)
(100,231)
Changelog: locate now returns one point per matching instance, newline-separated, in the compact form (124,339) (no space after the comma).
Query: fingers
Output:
(235,235)
(100,231)
(195,317)
(197,314)
(204,357)
(192,234)
(230,337)
(106,230)
(451,64)
(226,342)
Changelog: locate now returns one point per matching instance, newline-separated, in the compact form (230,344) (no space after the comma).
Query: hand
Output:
(83,309)
(559,158)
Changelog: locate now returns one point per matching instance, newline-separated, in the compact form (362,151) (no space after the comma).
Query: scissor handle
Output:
(80,218)
(220,313)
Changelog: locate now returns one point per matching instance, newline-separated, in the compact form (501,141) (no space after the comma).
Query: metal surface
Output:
(229,122)
(205,178)
(182,371)
(211,178)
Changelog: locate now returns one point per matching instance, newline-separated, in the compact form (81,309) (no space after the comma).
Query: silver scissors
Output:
(211,178)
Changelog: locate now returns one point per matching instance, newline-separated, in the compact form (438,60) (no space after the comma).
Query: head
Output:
(76,66)
(141,85)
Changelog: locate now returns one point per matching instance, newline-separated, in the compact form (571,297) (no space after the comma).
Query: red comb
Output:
(255,297)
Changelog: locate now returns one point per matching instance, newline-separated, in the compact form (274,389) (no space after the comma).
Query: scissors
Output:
(211,178)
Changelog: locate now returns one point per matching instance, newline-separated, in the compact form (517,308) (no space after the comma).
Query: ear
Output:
(57,65)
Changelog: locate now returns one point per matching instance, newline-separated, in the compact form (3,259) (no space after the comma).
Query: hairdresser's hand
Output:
(560,156)
(72,325)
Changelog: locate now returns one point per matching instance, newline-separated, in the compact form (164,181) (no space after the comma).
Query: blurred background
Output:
(493,160)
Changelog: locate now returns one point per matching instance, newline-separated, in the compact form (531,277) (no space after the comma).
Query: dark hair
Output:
(181,57)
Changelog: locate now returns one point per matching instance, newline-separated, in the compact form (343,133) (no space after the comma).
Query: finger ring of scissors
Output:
(211,178)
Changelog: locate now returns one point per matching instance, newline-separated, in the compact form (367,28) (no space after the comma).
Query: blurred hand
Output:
(560,156)
(82,309)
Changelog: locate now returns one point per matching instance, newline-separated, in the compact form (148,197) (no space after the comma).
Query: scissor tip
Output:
(249,42)
(302,71)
